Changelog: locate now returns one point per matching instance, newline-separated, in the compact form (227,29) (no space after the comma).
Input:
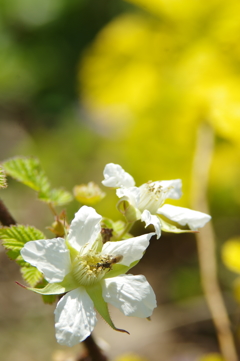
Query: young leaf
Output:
(3,182)
(14,238)
(57,197)
(31,275)
(27,171)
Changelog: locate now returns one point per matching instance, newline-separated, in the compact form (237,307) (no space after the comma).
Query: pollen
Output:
(90,268)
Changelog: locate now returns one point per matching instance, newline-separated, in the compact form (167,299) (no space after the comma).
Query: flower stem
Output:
(206,243)
(94,353)
(125,230)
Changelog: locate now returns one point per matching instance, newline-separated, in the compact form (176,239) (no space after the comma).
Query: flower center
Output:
(151,197)
(92,267)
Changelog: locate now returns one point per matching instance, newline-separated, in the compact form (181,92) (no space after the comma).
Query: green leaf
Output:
(3,181)
(95,292)
(57,197)
(29,172)
(14,238)
(167,227)
(31,275)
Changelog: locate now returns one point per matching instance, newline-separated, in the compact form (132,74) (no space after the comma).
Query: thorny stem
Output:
(206,243)
(94,353)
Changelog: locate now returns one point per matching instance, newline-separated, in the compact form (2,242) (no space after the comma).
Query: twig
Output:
(94,353)
(5,217)
(206,243)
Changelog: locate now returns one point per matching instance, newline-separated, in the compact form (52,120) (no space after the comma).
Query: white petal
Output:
(50,256)
(75,317)
(148,218)
(84,228)
(115,176)
(133,295)
(131,249)
(173,188)
(184,216)
(131,194)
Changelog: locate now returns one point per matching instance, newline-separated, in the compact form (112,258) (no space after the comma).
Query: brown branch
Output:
(5,216)
(206,243)
(93,353)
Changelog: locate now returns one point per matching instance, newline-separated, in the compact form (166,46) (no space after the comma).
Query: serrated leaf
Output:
(3,181)
(31,275)
(56,196)
(27,171)
(15,237)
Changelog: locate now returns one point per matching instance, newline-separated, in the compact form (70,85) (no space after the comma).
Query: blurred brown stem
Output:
(94,353)
(5,216)
(206,243)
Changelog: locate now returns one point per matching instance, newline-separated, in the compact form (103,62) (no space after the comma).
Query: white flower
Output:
(92,274)
(148,200)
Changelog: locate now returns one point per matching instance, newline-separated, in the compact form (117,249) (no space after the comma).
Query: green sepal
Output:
(131,213)
(119,269)
(168,227)
(95,292)
(118,228)
(68,284)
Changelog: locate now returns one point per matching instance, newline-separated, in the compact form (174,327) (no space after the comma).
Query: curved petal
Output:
(75,317)
(115,176)
(133,295)
(131,194)
(130,249)
(148,218)
(50,256)
(84,228)
(173,188)
(184,216)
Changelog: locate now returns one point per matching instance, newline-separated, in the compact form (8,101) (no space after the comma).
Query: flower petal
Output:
(50,256)
(173,188)
(131,249)
(133,295)
(131,194)
(184,216)
(148,218)
(75,317)
(84,228)
(115,176)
